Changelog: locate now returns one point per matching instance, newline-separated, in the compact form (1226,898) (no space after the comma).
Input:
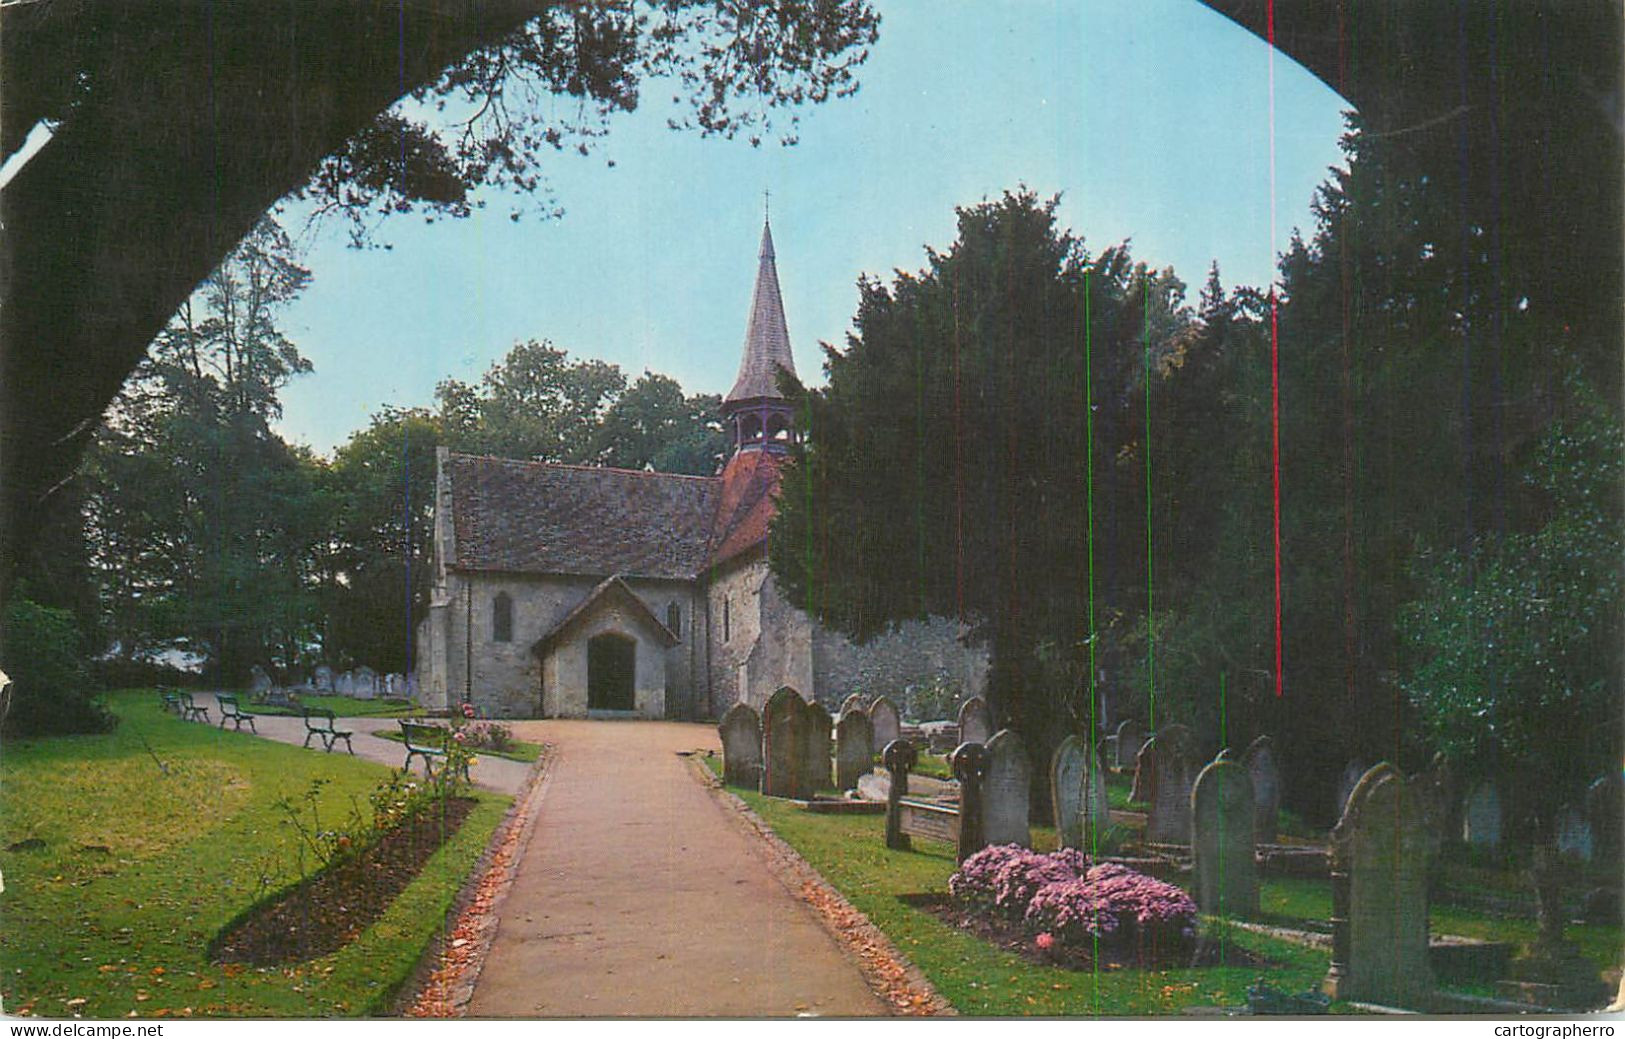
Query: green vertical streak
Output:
(1224,741)
(808,553)
(1089,508)
(1150,614)
(919,463)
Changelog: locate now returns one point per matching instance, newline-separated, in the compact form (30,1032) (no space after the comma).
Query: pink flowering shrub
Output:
(1072,904)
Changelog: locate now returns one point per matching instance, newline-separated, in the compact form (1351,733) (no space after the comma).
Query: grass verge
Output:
(517,750)
(978,978)
(343,706)
(154,837)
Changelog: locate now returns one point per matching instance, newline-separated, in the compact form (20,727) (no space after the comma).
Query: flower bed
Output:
(1073,910)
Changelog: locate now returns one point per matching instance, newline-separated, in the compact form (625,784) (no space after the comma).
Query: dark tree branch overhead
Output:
(177,125)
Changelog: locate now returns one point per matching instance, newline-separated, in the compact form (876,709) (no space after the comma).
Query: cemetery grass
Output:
(517,750)
(981,979)
(1306,904)
(342,706)
(139,870)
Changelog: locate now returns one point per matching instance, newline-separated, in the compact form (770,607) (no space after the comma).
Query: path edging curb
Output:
(848,925)
(496,868)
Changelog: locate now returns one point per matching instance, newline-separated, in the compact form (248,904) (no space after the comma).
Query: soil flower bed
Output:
(329,909)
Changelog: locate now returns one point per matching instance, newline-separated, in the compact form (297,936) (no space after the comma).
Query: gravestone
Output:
(1170,758)
(884,720)
(783,744)
(1481,817)
(969,763)
(1006,790)
(412,686)
(1259,760)
(854,748)
(975,721)
(1077,793)
(815,758)
(1345,785)
(852,703)
(258,680)
(741,732)
(1222,815)
(395,685)
(1605,811)
(323,679)
(1574,839)
(1381,849)
(899,757)
(344,685)
(1130,738)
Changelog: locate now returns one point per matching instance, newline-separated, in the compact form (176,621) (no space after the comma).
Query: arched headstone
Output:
(1574,838)
(741,732)
(1481,817)
(1259,760)
(783,744)
(1222,814)
(885,720)
(1130,738)
(854,748)
(815,757)
(1077,793)
(1170,757)
(975,721)
(1007,790)
(258,680)
(1381,849)
(366,683)
(344,685)
(1345,784)
(323,679)
(852,703)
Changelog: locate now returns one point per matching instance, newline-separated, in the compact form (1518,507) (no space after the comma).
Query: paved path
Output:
(488,773)
(637,896)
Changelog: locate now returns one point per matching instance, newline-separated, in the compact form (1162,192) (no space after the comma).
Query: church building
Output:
(575,591)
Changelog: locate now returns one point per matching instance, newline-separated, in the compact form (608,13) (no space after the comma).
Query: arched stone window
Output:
(727,633)
(674,619)
(502,618)
(750,428)
(778,428)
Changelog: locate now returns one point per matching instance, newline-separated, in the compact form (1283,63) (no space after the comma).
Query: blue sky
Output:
(1151,118)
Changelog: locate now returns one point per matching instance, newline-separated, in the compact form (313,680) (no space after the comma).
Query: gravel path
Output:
(638,897)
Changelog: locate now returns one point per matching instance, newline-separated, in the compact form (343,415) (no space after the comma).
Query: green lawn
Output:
(343,706)
(140,869)
(975,976)
(517,750)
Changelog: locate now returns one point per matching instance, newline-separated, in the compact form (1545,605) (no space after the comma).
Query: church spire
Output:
(767,339)
(756,411)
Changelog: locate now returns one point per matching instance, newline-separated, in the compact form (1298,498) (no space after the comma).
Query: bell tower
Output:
(756,413)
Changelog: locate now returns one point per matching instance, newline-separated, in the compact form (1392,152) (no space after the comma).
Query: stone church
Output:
(569,591)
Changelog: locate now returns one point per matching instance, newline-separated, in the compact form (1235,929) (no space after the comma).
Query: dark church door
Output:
(611,667)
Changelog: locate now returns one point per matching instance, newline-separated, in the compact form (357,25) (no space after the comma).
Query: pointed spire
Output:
(767,339)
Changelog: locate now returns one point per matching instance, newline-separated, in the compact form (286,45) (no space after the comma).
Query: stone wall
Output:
(763,644)
(886,665)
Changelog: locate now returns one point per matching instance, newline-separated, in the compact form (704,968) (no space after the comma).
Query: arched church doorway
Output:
(611,671)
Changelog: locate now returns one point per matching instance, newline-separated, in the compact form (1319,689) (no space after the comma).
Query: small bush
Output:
(51,691)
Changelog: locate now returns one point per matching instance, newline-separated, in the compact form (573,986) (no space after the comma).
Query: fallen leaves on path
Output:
(885,971)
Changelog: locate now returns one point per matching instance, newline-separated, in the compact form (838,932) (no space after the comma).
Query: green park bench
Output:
(319,721)
(427,742)
(230,711)
(191,710)
(169,702)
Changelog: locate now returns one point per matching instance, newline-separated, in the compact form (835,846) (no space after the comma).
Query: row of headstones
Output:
(1166,769)
(363,683)
(785,750)
(1585,832)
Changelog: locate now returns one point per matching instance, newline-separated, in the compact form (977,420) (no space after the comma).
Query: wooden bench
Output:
(191,710)
(230,711)
(319,722)
(427,742)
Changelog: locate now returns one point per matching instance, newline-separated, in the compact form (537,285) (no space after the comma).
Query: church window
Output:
(674,619)
(778,428)
(750,429)
(502,618)
(726,632)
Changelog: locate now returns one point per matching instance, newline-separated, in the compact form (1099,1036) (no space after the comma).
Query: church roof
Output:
(536,517)
(767,338)
(746,505)
(611,589)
